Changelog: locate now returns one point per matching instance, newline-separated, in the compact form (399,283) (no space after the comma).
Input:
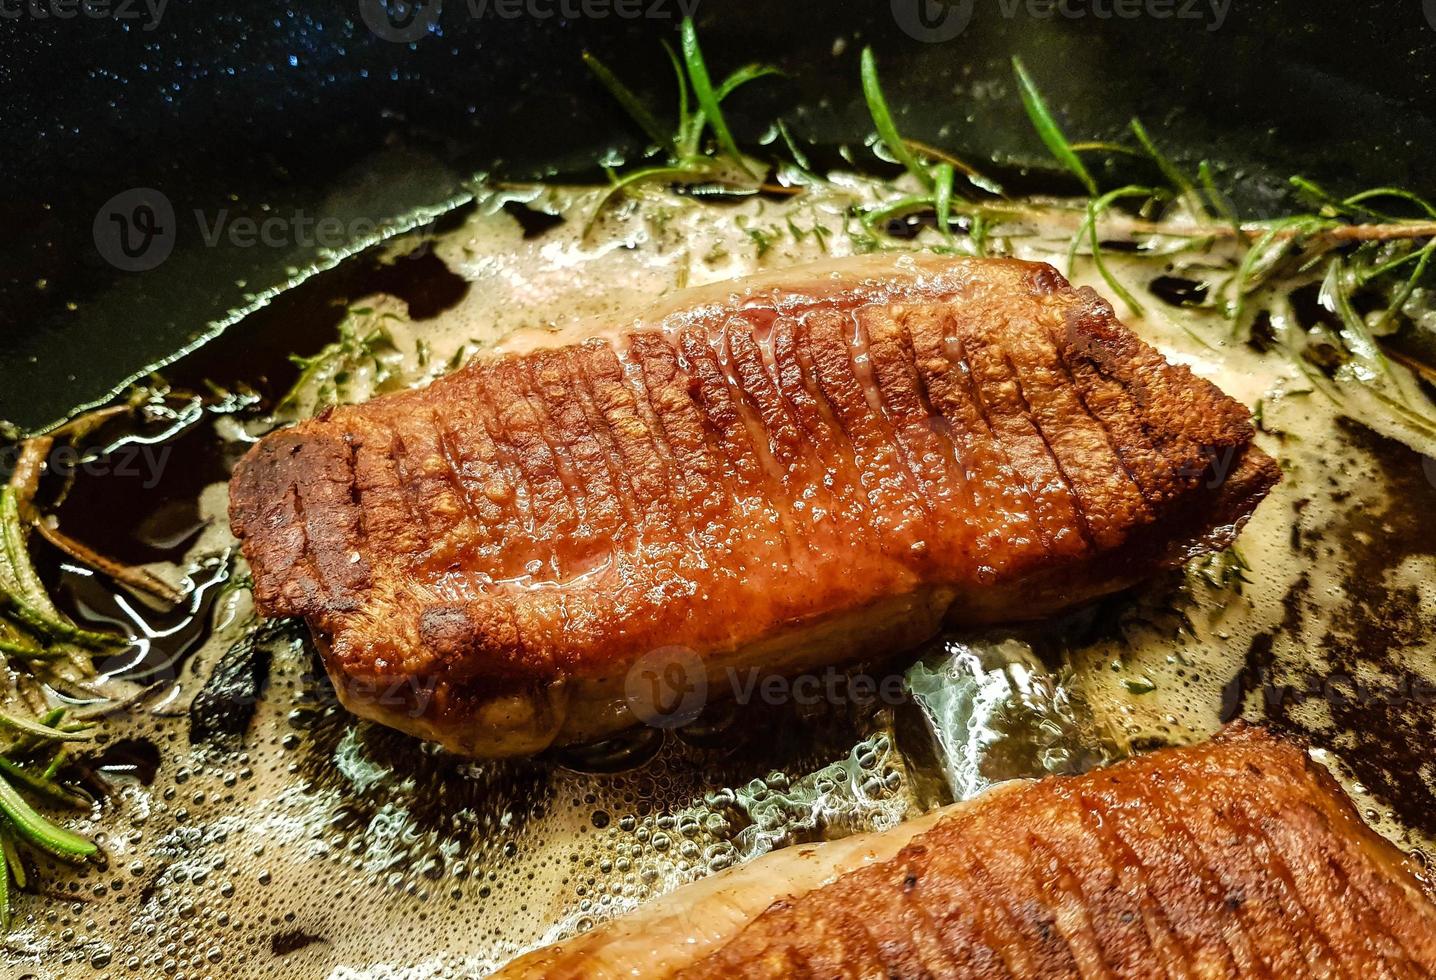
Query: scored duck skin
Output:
(1238,857)
(782,472)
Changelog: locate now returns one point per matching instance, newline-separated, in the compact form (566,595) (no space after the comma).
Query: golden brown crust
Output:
(734,470)
(1236,858)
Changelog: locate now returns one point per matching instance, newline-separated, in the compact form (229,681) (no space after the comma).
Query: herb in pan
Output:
(1376,244)
(1347,243)
(42,649)
(688,160)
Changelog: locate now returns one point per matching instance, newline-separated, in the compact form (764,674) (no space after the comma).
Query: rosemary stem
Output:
(137,578)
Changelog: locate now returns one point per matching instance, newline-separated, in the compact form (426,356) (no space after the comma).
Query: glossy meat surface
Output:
(881,443)
(1235,858)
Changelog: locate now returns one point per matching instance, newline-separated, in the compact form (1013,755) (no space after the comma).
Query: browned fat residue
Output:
(1381,704)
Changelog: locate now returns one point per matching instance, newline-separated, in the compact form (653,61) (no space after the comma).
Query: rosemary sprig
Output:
(20,823)
(1061,148)
(1186,190)
(1095,209)
(633,105)
(38,640)
(358,364)
(22,591)
(35,831)
(883,120)
(1046,125)
(687,161)
(40,730)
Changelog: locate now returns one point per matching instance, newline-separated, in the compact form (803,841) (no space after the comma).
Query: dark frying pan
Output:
(257,110)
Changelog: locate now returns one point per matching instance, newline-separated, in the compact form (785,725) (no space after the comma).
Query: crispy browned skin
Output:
(1235,858)
(1238,858)
(875,446)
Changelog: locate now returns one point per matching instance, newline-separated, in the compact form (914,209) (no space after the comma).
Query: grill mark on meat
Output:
(931,457)
(810,410)
(554,438)
(1027,896)
(806,500)
(1027,958)
(928,949)
(476,528)
(308,583)
(1389,952)
(760,439)
(1112,405)
(1071,909)
(807,391)
(556,511)
(408,483)
(1317,948)
(701,471)
(674,485)
(391,523)
(1119,413)
(1110,909)
(748,374)
(637,456)
(556,424)
(979,341)
(889,488)
(1268,903)
(1074,492)
(1380,893)
(452,533)
(871,409)
(1124,865)
(1109,500)
(1298,855)
(1176,843)
(520,495)
(476,515)
(1114,469)
(952,347)
(801,548)
(491,479)
(1188,430)
(1187,910)
(1217,880)
(940,426)
(548,500)
(580,390)
(963,912)
(1002,500)
(600,520)
(952,436)
(724,422)
(1311,874)
(890,379)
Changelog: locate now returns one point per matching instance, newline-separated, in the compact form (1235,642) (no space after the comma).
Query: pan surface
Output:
(206,190)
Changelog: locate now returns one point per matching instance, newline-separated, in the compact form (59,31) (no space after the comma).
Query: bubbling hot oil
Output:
(328,847)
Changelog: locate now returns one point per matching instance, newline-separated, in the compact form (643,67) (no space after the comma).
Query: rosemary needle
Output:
(1047,128)
(43,732)
(39,832)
